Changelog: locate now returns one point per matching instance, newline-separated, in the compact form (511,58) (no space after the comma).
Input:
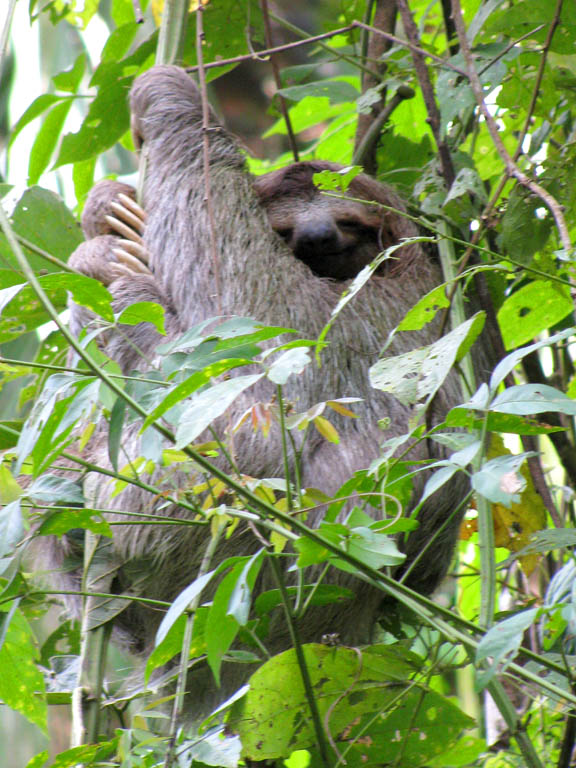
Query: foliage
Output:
(495,189)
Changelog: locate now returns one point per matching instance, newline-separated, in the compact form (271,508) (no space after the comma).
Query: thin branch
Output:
(206,153)
(138,15)
(5,36)
(369,141)
(511,167)
(539,76)
(301,660)
(278,81)
(412,46)
(45,255)
(259,55)
(449,28)
(385,20)
(511,44)
(418,56)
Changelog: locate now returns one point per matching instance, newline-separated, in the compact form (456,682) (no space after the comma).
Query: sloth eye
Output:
(350,224)
(285,234)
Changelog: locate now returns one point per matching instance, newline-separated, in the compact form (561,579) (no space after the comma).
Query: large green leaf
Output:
(367,700)
(21,681)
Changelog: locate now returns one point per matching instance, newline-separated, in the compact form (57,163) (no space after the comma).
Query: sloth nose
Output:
(316,235)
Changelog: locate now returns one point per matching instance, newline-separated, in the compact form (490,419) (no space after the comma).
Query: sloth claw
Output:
(120,270)
(127,215)
(136,249)
(130,262)
(133,206)
(123,229)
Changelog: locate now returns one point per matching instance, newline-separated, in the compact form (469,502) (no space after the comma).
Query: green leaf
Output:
(374,549)
(502,642)
(38,106)
(241,597)
(11,527)
(417,375)
(181,603)
(523,232)
(337,181)
(324,594)
(46,140)
(221,625)
(53,489)
(425,310)
(144,312)
(118,43)
(61,521)
(88,754)
(107,120)
(525,399)
(499,422)
(216,747)
(368,699)
(225,27)
(21,682)
(39,760)
(293,361)
(208,405)
(187,387)
(42,218)
(9,489)
(83,177)
(499,480)
(533,308)
(115,430)
(465,196)
(70,79)
(549,540)
(336,91)
(84,290)
(507,365)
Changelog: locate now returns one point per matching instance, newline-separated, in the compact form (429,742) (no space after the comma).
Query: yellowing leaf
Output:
(514,525)
(327,430)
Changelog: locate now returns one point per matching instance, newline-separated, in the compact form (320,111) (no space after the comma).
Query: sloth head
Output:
(335,237)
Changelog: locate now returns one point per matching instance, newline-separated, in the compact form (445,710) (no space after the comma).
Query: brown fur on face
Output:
(335,237)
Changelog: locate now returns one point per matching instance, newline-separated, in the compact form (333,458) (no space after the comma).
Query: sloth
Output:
(275,249)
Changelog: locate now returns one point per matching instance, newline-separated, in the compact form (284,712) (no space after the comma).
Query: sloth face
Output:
(334,240)
(335,237)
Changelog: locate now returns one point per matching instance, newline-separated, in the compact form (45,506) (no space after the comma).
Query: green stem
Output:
(283,432)
(305,674)
(178,707)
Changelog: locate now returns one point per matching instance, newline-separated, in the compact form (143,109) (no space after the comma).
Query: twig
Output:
(45,255)
(370,139)
(258,55)
(278,81)
(301,660)
(511,167)
(385,20)
(562,445)
(449,27)
(206,153)
(138,15)
(4,37)
(412,46)
(541,67)
(178,705)
(509,47)
(418,56)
